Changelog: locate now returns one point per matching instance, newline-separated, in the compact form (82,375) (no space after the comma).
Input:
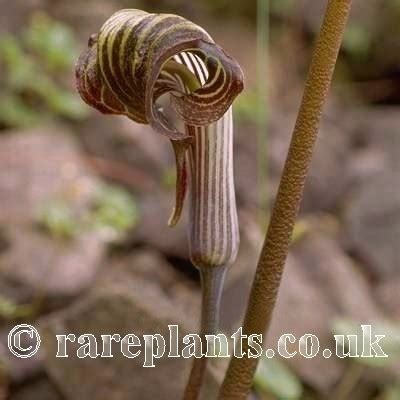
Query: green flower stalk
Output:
(133,61)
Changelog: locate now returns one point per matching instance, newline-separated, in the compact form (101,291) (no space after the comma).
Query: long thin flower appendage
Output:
(239,377)
(134,61)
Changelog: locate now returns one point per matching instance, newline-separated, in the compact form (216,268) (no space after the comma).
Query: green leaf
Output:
(390,344)
(52,41)
(114,209)
(9,310)
(57,217)
(392,393)
(30,88)
(21,69)
(357,40)
(10,50)
(282,8)
(15,113)
(274,377)
(168,178)
(65,104)
(247,106)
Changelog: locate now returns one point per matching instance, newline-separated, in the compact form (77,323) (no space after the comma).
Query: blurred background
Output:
(85,199)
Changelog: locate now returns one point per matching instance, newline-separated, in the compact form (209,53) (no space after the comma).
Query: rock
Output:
(86,18)
(144,150)
(245,166)
(366,163)
(40,389)
(387,294)
(373,225)
(146,144)
(372,212)
(148,265)
(320,283)
(294,314)
(240,275)
(298,295)
(37,265)
(16,14)
(327,266)
(153,229)
(376,129)
(136,145)
(328,178)
(19,370)
(137,295)
(310,13)
(36,166)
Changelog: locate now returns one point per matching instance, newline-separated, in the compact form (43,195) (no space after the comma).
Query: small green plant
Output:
(113,212)
(391,393)
(58,219)
(357,41)
(32,82)
(246,107)
(9,310)
(358,366)
(273,377)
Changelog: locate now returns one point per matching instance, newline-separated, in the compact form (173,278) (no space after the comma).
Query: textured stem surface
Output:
(239,377)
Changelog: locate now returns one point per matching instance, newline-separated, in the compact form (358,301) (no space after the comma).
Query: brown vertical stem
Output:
(239,377)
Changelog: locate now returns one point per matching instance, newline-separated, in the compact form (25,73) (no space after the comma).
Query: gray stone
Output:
(19,370)
(303,308)
(240,275)
(34,264)
(372,212)
(376,130)
(153,229)
(310,13)
(328,178)
(39,166)
(387,294)
(40,389)
(16,14)
(141,295)
(320,283)
(138,146)
(149,155)
(325,264)
(373,224)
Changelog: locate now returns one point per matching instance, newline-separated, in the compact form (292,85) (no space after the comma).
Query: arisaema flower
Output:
(130,66)
(133,61)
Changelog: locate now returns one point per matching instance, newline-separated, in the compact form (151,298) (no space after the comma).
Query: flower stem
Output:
(212,280)
(239,377)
